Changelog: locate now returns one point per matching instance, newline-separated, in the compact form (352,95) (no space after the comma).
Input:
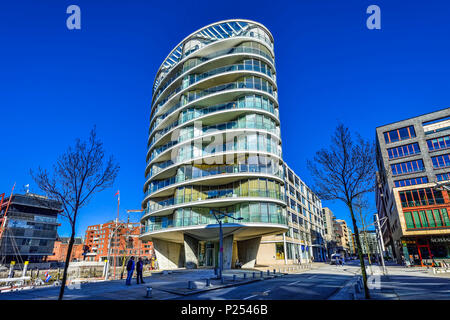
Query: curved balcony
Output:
(228,29)
(193,152)
(249,188)
(163,167)
(193,173)
(192,132)
(256,82)
(248,101)
(202,61)
(250,212)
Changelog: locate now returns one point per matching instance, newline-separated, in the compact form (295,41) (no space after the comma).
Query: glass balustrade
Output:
(248,65)
(249,121)
(246,82)
(264,212)
(200,60)
(252,142)
(190,172)
(247,101)
(262,188)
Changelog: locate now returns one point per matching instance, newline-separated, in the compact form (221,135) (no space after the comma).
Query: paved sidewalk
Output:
(165,285)
(402,283)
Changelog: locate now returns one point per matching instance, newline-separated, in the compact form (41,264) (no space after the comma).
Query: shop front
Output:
(426,251)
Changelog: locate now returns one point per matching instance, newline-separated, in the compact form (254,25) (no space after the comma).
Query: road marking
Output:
(265,293)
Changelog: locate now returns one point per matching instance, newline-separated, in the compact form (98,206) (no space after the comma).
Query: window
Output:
(442,161)
(439,143)
(427,219)
(410,182)
(407,167)
(399,134)
(403,151)
(443,176)
(279,248)
(421,197)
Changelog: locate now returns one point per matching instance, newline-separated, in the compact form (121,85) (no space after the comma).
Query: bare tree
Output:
(362,208)
(78,174)
(345,171)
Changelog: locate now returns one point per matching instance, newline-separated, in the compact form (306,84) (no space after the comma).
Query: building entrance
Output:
(207,256)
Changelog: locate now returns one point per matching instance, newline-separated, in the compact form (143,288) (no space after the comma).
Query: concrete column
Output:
(167,254)
(247,251)
(227,251)
(190,252)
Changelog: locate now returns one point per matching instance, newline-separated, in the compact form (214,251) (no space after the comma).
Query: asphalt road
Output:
(317,284)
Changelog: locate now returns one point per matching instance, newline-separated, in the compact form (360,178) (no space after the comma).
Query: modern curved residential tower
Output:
(214,144)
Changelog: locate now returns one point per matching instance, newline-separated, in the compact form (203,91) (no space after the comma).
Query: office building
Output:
(413,159)
(29,228)
(304,240)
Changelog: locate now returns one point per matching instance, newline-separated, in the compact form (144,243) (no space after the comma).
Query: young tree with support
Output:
(78,174)
(345,171)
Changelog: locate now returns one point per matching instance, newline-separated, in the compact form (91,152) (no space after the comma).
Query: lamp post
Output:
(219,220)
(380,239)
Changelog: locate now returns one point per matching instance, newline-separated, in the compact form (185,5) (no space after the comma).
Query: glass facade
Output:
(215,132)
(403,151)
(442,161)
(407,167)
(410,182)
(399,134)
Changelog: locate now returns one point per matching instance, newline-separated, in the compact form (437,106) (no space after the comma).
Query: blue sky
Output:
(55,83)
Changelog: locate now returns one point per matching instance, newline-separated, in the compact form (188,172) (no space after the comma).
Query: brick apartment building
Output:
(124,242)
(60,250)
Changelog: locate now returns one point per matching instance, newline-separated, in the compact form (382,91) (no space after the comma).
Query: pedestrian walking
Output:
(130,270)
(139,269)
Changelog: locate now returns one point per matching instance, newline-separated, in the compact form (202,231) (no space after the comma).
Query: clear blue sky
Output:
(55,84)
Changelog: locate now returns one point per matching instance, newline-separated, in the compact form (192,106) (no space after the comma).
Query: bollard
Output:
(208,282)
(149,292)
(268,272)
(234,277)
(190,284)
(245,276)
(274,271)
(254,275)
(25,267)
(261,274)
(11,269)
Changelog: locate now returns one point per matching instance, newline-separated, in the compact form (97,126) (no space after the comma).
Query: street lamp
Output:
(219,218)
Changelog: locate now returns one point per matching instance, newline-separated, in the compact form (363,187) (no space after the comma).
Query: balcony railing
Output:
(214,171)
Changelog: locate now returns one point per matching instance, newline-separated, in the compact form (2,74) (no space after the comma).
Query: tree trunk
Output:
(66,265)
(360,255)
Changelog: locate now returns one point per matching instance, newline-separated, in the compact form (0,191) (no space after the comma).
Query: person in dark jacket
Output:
(139,269)
(130,270)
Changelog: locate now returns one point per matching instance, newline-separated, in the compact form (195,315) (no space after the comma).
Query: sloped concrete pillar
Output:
(190,252)
(247,252)
(167,254)
(227,251)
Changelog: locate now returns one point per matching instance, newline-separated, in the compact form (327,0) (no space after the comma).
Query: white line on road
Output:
(265,293)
